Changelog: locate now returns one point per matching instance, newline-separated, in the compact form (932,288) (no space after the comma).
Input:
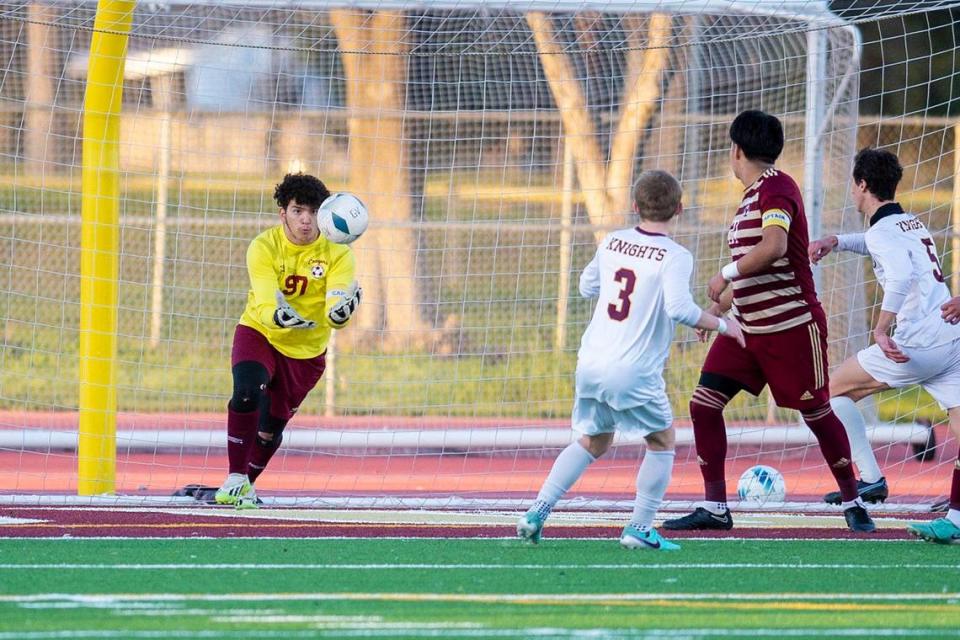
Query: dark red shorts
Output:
(792,362)
(290,379)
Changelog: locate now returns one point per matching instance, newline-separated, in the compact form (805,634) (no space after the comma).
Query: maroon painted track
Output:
(65,522)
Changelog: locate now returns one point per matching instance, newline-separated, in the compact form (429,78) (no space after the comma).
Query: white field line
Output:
(67,539)
(425,631)
(275,508)
(589,507)
(329,622)
(652,634)
(53,566)
(7,521)
(491,520)
(142,608)
(498,598)
(173,613)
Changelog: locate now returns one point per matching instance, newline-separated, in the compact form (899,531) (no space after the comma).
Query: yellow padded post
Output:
(100,248)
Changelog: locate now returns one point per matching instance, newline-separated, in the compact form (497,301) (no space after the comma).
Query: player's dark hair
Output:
(657,195)
(305,189)
(881,171)
(759,135)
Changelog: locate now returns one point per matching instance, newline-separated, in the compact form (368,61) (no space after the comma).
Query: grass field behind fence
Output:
(476,588)
(499,361)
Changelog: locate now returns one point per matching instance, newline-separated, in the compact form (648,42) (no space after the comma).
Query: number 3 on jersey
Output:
(627,280)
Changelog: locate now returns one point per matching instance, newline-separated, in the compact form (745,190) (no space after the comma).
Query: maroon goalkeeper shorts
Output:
(792,362)
(291,379)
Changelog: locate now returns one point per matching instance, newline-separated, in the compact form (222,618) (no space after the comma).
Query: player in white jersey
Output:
(924,348)
(642,281)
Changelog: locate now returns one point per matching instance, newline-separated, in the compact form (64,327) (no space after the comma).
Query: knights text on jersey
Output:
(642,281)
(905,262)
(783,295)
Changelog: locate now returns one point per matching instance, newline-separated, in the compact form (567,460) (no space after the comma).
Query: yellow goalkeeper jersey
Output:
(312,277)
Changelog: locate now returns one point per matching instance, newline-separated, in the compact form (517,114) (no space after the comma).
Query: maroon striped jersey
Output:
(783,295)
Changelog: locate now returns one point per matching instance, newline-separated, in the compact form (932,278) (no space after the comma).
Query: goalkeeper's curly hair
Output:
(305,189)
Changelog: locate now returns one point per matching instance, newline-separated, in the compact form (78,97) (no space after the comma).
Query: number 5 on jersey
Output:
(932,253)
(627,280)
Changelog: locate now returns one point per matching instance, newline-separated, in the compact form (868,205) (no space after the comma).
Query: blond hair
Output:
(657,195)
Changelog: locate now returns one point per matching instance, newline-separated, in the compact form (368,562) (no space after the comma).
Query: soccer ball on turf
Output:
(342,218)
(761,484)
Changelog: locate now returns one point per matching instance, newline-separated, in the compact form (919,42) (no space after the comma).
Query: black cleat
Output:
(872,492)
(701,519)
(859,520)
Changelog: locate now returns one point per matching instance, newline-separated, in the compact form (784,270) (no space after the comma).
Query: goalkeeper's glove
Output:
(349,301)
(286,317)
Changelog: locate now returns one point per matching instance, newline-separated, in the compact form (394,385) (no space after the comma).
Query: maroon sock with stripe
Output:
(260,456)
(710,435)
(241,434)
(835,448)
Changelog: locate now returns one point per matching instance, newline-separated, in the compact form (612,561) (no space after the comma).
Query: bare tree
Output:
(38,117)
(374,58)
(605,182)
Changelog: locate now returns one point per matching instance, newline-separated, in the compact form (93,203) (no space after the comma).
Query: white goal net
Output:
(493,143)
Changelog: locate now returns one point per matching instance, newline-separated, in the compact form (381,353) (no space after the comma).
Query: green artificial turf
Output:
(476,588)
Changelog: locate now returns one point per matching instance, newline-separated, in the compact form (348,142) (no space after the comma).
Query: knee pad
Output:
(274,443)
(250,380)
(274,426)
(722,384)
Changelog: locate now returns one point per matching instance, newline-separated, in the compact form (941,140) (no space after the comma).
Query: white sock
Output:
(954,516)
(856,428)
(852,503)
(567,469)
(234,479)
(716,508)
(652,481)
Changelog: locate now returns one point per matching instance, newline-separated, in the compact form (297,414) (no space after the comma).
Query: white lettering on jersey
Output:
(906,265)
(642,282)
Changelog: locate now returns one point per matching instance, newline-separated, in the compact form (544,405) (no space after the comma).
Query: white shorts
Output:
(592,417)
(936,369)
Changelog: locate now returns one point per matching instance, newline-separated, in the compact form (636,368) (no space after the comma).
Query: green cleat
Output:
(249,501)
(633,538)
(529,527)
(941,531)
(235,487)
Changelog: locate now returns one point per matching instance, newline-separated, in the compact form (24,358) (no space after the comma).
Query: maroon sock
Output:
(241,436)
(835,448)
(263,450)
(710,435)
(955,486)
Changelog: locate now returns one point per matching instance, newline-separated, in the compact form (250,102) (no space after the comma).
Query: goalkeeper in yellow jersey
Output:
(301,288)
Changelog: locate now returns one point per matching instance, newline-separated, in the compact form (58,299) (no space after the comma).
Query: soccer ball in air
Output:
(342,218)
(761,484)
